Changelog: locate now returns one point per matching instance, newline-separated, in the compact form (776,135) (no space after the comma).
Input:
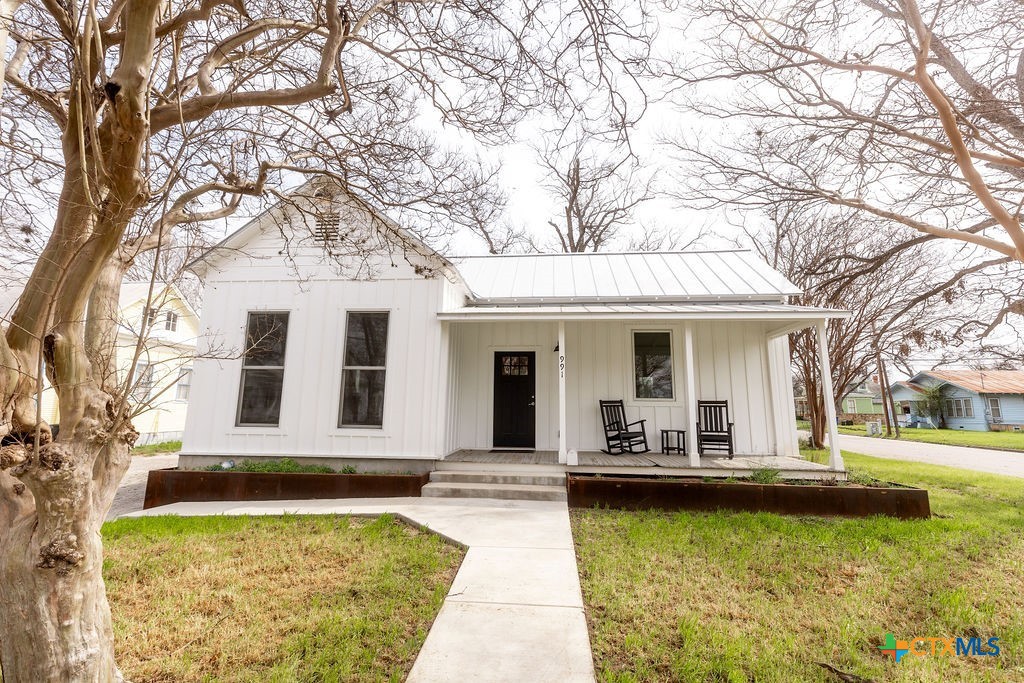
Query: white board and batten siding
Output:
(731,362)
(439,381)
(317,295)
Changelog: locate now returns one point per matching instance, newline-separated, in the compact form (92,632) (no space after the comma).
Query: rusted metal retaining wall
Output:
(663,494)
(180,486)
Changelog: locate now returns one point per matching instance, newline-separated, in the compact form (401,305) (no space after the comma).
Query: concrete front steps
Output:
(505,485)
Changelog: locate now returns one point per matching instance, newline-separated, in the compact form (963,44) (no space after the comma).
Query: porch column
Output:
(689,384)
(835,459)
(562,449)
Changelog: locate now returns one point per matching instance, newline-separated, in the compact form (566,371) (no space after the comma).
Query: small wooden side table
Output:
(673,441)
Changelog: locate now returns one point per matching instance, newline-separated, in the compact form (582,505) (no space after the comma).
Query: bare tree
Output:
(659,238)
(906,113)
(896,312)
(597,194)
(136,120)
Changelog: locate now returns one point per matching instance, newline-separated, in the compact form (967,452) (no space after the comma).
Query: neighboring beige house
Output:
(163,377)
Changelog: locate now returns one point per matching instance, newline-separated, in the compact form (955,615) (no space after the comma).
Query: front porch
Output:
(646,464)
(533,380)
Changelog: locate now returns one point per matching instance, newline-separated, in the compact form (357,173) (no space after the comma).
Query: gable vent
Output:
(327,227)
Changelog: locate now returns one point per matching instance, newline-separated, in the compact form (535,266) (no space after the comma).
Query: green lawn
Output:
(154,448)
(308,598)
(952,437)
(743,597)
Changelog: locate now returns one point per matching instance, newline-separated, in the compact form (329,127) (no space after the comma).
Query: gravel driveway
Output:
(132,491)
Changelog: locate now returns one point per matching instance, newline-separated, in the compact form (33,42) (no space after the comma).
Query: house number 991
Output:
(561,366)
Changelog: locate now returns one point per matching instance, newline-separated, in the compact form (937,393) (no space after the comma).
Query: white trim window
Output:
(171,321)
(184,384)
(652,365)
(851,405)
(262,383)
(143,378)
(959,408)
(995,409)
(364,369)
(149,316)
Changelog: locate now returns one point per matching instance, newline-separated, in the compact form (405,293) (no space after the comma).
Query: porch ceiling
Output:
(653,311)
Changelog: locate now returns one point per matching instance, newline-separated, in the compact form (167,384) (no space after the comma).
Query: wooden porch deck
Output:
(647,463)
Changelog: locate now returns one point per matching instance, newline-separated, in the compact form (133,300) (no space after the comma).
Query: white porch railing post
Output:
(562,443)
(689,382)
(835,458)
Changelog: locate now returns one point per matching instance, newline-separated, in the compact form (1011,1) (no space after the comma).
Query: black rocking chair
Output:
(621,435)
(714,431)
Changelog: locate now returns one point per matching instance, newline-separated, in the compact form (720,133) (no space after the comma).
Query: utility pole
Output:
(889,402)
(883,381)
(884,388)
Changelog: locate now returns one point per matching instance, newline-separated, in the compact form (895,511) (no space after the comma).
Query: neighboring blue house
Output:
(977,400)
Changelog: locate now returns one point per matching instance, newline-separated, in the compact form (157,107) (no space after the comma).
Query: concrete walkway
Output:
(977,459)
(515,610)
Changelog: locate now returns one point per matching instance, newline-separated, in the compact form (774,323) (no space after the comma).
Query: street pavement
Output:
(1008,463)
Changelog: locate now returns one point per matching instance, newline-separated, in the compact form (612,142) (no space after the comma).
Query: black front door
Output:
(515,392)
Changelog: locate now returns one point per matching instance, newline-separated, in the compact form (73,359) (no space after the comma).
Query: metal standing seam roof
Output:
(610,277)
(982,381)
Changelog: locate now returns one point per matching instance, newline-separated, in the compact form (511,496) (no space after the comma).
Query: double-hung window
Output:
(851,405)
(959,407)
(362,376)
(263,369)
(143,382)
(995,409)
(171,321)
(184,385)
(652,365)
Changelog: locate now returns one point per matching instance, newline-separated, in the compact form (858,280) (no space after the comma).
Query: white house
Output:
(355,342)
(161,382)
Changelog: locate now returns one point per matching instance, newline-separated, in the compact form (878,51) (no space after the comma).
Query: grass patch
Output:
(310,598)
(154,448)
(951,437)
(818,455)
(742,596)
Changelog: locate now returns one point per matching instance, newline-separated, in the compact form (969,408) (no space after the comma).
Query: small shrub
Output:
(284,465)
(861,479)
(765,475)
(348,469)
